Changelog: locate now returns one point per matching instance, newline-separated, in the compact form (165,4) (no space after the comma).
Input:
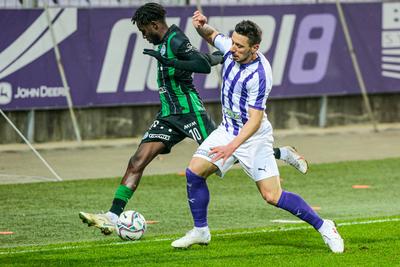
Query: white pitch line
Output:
(287,221)
(216,235)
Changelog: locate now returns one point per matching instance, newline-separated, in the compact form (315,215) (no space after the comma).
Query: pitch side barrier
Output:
(104,64)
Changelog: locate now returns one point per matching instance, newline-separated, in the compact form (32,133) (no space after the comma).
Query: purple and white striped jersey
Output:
(244,86)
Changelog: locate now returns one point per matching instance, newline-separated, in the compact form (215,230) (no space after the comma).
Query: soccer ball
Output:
(131,225)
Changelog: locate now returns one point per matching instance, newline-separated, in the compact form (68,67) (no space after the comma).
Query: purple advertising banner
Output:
(101,52)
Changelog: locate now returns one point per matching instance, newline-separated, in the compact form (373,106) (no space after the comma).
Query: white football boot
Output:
(292,157)
(199,236)
(101,221)
(331,236)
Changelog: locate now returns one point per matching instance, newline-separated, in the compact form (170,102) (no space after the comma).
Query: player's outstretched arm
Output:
(193,62)
(199,22)
(215,58)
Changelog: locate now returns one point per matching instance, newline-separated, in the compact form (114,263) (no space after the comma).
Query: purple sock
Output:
(298,207)
(198,198)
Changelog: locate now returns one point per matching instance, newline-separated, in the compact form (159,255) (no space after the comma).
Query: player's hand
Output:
(221,152)
(217,53)
(215,58)
(158,56)
(198,19)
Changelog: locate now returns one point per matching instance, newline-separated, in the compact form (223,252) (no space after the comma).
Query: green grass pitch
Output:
(47,230)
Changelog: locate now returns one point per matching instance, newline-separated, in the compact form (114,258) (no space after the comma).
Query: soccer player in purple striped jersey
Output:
(245,135)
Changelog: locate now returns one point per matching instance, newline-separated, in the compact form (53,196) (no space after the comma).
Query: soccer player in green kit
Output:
(182,112)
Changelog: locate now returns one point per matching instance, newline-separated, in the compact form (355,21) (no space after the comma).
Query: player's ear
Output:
(154,25)
(255,48)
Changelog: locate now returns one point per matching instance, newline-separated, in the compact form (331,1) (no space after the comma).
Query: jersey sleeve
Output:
(182,48)
(186,57)
(222,43)
(259,88)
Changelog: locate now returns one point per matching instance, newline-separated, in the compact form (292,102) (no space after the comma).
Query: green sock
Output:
(121,198)
(124,193)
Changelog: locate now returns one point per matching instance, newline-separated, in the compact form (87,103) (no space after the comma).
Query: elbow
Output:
(204,67)
(257,125)
(207,66)
(207,69)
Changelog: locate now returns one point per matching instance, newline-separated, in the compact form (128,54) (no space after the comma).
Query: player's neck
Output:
(250,59)
(163,31)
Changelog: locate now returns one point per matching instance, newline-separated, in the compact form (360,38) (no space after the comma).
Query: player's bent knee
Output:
(270,199)
(270,189)
(202,167)
(271,196)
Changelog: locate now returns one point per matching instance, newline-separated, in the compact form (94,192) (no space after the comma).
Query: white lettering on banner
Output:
(390,16)
(28,46)
(282,48)
(35,41)
(312,49)
(390,40)
(27,93)
(52,91)
(40,92)
(141,67)
(308,62)
(115,56)
(5,93)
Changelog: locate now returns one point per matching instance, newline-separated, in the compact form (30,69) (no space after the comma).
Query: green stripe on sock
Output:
(124,193)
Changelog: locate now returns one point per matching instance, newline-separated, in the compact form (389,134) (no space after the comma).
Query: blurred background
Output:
(75,85)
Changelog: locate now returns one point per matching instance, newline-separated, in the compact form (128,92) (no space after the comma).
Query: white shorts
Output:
(256,155)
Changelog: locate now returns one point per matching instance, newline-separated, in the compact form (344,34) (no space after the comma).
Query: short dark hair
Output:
(147,13)
(249,29)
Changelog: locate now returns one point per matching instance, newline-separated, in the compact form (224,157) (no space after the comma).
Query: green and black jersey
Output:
(177,92)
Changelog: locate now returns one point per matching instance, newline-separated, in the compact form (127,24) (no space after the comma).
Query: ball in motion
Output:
(131,225)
